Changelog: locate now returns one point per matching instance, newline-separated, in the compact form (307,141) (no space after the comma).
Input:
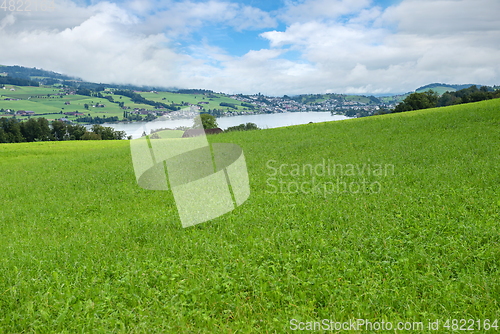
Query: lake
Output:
(263,121)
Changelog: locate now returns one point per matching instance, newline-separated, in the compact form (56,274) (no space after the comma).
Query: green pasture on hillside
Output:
(214,102)
(440,90)
(36,99)
(393,99)
(415,238)
(24,92)
(42,101)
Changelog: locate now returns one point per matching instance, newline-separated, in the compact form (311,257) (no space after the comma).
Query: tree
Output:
(251,126)
(3,137)
(107,133)
(243,127)
(45,133)
(31,130)
(86,106)
(208,122)
(418,101)
(91,136)
(76,131)
(12,129)
(59,130)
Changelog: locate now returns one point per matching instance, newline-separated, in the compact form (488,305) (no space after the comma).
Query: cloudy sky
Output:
(251,46)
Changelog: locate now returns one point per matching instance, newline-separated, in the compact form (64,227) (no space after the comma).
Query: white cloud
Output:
(342,46)
(182,18)
(7,21)
(66,14)
(448,41)
(306,10)
(444,17)
(102,48)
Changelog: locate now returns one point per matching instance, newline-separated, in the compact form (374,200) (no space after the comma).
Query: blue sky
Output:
(272,47)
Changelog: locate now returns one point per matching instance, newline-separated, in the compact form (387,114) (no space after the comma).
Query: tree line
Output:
(97,119)
(248,105)
(17,81)
(229,105)
(15,131)
(431,99)
(210,122)
(26,73)
(243,127)
(194,91)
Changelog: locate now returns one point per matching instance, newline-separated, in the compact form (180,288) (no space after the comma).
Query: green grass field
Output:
(193,99)
(84,249)
(42,101)
(36,99)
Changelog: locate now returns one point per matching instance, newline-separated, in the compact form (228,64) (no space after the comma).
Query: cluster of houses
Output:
(283,104)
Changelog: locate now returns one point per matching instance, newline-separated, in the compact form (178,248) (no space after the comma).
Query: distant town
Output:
(28,92)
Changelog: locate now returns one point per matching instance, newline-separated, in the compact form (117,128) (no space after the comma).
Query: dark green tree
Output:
(208,122)
(12,129)
(31,130)
(75,131)
(107,133)
(46,133)
(418,101)
(59,130)
(91,136)
(3,136)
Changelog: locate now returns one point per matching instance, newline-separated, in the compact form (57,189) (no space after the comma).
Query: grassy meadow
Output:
(84,249)
(42,101)
(213,102)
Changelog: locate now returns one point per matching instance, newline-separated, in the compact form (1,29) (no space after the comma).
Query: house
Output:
(197,107)
(199,132)
(67,103)
(12,90)
(20,112)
